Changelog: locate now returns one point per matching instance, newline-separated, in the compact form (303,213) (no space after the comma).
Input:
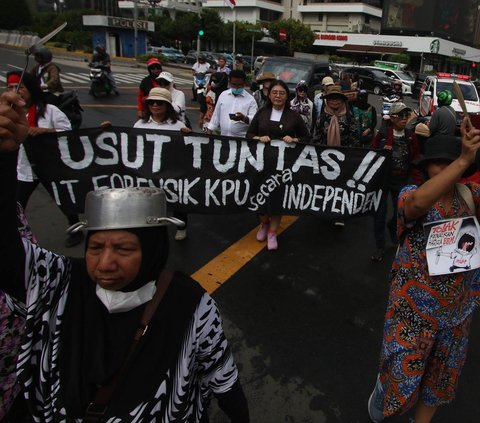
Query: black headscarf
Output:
(94,342)
(154,245)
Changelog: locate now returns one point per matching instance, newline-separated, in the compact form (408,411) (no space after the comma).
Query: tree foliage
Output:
(75,32)
(15,15)
(299,36)
(243,35)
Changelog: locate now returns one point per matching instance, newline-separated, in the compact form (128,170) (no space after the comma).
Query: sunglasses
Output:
(302,90)
(157,102)
(402,115)
(155,67)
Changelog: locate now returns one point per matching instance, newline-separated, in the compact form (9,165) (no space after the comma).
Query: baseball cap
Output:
(328,80)
(399,107)
(165,75)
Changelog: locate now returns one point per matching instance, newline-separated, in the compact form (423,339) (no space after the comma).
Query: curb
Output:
(81,56)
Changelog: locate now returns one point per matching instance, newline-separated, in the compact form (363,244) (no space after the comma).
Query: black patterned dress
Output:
(69,347)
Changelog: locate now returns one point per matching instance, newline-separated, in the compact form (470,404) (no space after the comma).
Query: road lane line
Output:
(221,268)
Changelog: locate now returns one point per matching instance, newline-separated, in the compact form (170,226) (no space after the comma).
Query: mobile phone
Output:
(232,115)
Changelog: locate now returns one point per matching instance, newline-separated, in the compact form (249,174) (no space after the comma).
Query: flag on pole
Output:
(230,3)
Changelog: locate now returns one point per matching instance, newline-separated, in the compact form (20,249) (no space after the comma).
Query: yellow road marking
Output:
(221,268)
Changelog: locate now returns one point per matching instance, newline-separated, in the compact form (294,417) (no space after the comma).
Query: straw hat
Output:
(334,90)
(265,76)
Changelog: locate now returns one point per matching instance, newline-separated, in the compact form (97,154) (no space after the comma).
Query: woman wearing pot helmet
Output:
(154,67)
(82,314)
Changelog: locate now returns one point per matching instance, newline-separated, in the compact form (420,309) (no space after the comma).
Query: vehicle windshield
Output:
(468,90)
(289,73)
(404,76)
(378,74)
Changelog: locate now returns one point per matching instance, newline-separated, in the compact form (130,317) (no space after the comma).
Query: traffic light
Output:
(201,27)
(474,65)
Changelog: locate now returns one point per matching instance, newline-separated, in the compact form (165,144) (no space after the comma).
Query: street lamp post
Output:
(253,31)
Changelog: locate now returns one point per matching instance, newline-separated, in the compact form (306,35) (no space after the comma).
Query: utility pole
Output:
(135,30)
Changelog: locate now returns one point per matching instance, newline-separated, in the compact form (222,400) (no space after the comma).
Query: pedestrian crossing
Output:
(74,78)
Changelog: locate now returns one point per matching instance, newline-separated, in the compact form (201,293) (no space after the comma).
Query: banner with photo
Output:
(211,174)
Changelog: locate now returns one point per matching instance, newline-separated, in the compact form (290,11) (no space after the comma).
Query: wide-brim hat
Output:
(444,147)
(441,147)
(334,90)
(265,76)
(158,93)
(125,208)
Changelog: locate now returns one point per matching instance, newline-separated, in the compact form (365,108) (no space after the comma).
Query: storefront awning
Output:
(358,48)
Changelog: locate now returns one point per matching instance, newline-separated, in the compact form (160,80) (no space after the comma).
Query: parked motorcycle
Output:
(99,83)
(200,82)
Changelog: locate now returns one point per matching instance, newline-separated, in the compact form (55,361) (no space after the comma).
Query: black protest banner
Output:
(210,174)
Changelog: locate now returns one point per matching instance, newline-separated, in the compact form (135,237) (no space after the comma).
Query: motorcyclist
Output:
(395,90)
(102,57)
(200,66)
(48,74)
(154,67)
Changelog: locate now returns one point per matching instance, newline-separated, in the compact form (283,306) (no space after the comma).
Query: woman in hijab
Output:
(118,338)
(217,85)
(276,121)
(302,104)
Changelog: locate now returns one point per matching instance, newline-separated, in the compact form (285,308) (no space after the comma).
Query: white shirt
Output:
(164,126)
(201,67)
(228,103)
(53,118)
(178,102)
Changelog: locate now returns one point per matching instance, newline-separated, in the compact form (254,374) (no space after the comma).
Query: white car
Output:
(407,81)
(444,81)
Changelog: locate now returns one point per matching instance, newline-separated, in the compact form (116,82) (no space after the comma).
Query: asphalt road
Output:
(304,322)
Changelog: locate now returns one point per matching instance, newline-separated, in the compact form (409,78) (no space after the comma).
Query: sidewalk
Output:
(81,56)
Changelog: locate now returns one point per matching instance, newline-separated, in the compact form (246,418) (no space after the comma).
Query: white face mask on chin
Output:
(119,302)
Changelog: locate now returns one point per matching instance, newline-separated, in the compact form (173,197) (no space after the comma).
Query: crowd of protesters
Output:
(428,316)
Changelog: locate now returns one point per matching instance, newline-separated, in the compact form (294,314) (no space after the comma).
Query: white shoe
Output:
(180,235)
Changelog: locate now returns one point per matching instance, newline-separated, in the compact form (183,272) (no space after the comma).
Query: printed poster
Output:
(452,245)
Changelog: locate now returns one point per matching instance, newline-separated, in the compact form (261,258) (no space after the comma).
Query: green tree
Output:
(15,15)
(299,36)
(214,26)
(243,35)
(75,32)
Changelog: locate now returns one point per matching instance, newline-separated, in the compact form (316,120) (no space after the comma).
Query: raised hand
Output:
(13,121)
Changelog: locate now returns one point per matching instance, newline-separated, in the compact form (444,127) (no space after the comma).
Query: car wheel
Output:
(377,90)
